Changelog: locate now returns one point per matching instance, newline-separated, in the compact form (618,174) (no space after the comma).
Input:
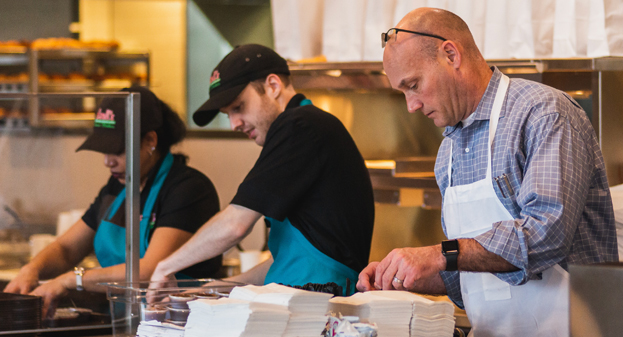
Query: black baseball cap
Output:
(241,66)
(108,135)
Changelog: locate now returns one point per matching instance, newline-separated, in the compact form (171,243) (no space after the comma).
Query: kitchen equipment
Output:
(595,299)
(19,312)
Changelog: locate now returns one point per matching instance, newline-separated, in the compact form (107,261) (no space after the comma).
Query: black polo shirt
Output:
(186,201)
(311,172)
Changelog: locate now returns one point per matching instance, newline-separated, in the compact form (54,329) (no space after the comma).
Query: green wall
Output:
(214,27)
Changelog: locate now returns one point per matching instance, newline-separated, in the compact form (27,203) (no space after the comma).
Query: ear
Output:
(273,86)
(451,53)
(150,140)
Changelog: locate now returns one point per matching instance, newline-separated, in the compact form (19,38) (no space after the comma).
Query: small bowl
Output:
(180,301)
(178,323)
(155,312)
(207,296)
(178,314)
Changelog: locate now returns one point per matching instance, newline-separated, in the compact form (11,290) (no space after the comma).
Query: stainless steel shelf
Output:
(64,54)
(405,182)
(13,58)
(371,76)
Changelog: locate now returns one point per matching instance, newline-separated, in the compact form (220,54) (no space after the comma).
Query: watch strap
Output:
(450,249)
(452,262)
(79,271)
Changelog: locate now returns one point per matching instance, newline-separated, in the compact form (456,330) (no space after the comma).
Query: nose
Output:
(109,161)
(235,123)
(413,104)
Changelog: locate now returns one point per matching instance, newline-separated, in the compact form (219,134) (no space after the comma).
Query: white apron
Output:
(494,308)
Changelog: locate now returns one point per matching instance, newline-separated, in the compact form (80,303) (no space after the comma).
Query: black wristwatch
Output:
(450,249)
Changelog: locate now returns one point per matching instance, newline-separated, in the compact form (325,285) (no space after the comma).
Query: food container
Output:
(178,314)
(208,296)
(130,303)
(180,300)
(154,313)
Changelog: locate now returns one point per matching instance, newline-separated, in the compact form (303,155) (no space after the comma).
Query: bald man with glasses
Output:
(523,181)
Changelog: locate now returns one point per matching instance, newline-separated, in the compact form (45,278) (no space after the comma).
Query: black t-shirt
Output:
(311,172)
(187,200)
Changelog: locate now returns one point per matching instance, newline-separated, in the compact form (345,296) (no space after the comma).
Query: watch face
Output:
(450,246)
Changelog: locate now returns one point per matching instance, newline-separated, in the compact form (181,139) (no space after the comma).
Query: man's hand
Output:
(403,268)
(24,282)
(160,279)
(366,277)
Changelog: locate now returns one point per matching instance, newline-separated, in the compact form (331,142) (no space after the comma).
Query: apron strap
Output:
(493,124)
(108,247)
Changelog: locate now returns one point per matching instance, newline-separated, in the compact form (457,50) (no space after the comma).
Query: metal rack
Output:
(92,63)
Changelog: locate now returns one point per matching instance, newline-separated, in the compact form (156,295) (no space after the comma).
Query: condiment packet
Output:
(348,326)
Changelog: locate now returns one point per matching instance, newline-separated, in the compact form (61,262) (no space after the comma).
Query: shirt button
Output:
(467,149)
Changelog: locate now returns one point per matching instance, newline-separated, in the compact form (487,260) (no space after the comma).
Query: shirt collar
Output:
(483,110)
(295,101)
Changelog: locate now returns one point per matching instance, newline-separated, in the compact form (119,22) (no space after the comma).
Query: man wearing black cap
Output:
(310,181)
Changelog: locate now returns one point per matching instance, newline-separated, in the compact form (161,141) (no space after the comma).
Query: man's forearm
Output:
(220,233)
(431,286)
(473,257)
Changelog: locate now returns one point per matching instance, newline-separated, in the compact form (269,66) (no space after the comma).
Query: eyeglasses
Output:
(393,32)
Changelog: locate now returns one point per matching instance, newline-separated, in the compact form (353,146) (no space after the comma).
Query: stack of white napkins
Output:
(157,329)
(307,308)
(430,318)
(391,316)
(398,313)
(227,317)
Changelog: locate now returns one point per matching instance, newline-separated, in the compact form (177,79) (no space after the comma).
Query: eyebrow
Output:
(404,81)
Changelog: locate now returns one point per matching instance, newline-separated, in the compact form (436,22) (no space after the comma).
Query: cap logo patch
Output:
(105,119)
(215,79)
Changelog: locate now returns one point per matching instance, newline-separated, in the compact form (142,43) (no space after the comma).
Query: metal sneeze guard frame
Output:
(132,169)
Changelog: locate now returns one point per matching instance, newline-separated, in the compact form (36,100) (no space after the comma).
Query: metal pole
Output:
(132,184)
(133,204)
(33,86)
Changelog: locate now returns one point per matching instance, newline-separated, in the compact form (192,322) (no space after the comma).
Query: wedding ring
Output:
(397,280)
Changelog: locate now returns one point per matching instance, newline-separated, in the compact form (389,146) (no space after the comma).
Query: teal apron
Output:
(109,242)
(297,262)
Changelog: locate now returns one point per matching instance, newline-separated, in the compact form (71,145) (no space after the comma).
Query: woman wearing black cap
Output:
(175,201)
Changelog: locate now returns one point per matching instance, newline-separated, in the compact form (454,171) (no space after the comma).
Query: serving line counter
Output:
(132,136)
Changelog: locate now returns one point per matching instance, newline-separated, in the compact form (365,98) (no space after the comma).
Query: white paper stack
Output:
(392,316)
(398,313)
(307,308)
(228,317)
(430,318)
(157,329)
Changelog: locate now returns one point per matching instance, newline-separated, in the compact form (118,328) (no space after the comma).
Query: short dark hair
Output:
(258,85)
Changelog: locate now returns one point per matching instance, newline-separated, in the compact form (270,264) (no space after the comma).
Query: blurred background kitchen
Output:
(173,45)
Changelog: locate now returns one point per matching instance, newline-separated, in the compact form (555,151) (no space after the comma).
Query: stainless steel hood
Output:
(371,76)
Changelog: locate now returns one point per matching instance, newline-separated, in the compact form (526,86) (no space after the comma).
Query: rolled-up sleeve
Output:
(552,195)
(452,281)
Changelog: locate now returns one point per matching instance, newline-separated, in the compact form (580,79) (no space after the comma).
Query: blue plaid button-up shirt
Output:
(557,188)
